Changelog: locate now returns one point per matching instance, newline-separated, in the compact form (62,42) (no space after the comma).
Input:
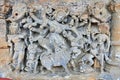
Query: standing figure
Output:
(104,45)
(32,57)
(19,53)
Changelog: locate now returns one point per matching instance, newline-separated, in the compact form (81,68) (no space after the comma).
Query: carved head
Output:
(49,9)
(61,14)
(19,11)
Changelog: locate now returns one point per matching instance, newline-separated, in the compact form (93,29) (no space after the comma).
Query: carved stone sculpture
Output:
(61,38)
(19,53)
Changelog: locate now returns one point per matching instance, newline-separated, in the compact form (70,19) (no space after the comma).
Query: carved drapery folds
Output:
(44,37)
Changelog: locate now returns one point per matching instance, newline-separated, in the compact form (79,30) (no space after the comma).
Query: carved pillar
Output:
(115,30)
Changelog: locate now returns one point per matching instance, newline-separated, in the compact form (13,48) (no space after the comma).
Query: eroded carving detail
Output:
(55,37)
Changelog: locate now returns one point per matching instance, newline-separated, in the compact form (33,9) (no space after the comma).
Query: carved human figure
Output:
(75,53)
(11,45)
(19,53)
(56,36)
(104,45)
(33,55)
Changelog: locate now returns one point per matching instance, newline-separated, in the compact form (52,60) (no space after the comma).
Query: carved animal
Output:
(60,58)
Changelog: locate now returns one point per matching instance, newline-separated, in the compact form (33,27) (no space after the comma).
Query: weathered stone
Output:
(4,57)
(3,32)
(115,38)
(3,29)
(55,37)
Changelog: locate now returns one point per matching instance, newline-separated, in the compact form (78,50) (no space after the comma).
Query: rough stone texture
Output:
(3,31)
(4,57)
(60,39)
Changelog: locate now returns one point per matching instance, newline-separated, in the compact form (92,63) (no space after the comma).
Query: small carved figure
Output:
(11,45)
(19,53)
(50,12)
(104,45)
(75,53)
(33,55)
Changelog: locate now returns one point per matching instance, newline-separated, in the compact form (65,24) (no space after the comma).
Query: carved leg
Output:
(41,69)
(14,60)
(73,65)
(35,67)
(66,69)
(20,61)
(11,51)
(102,63)
(51,70)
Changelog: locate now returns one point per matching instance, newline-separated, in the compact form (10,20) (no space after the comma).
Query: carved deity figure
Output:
(19,53)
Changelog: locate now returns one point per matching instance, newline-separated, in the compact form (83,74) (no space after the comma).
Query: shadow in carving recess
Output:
(55,39)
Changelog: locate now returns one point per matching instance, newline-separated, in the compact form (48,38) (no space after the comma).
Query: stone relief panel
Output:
(64,37)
